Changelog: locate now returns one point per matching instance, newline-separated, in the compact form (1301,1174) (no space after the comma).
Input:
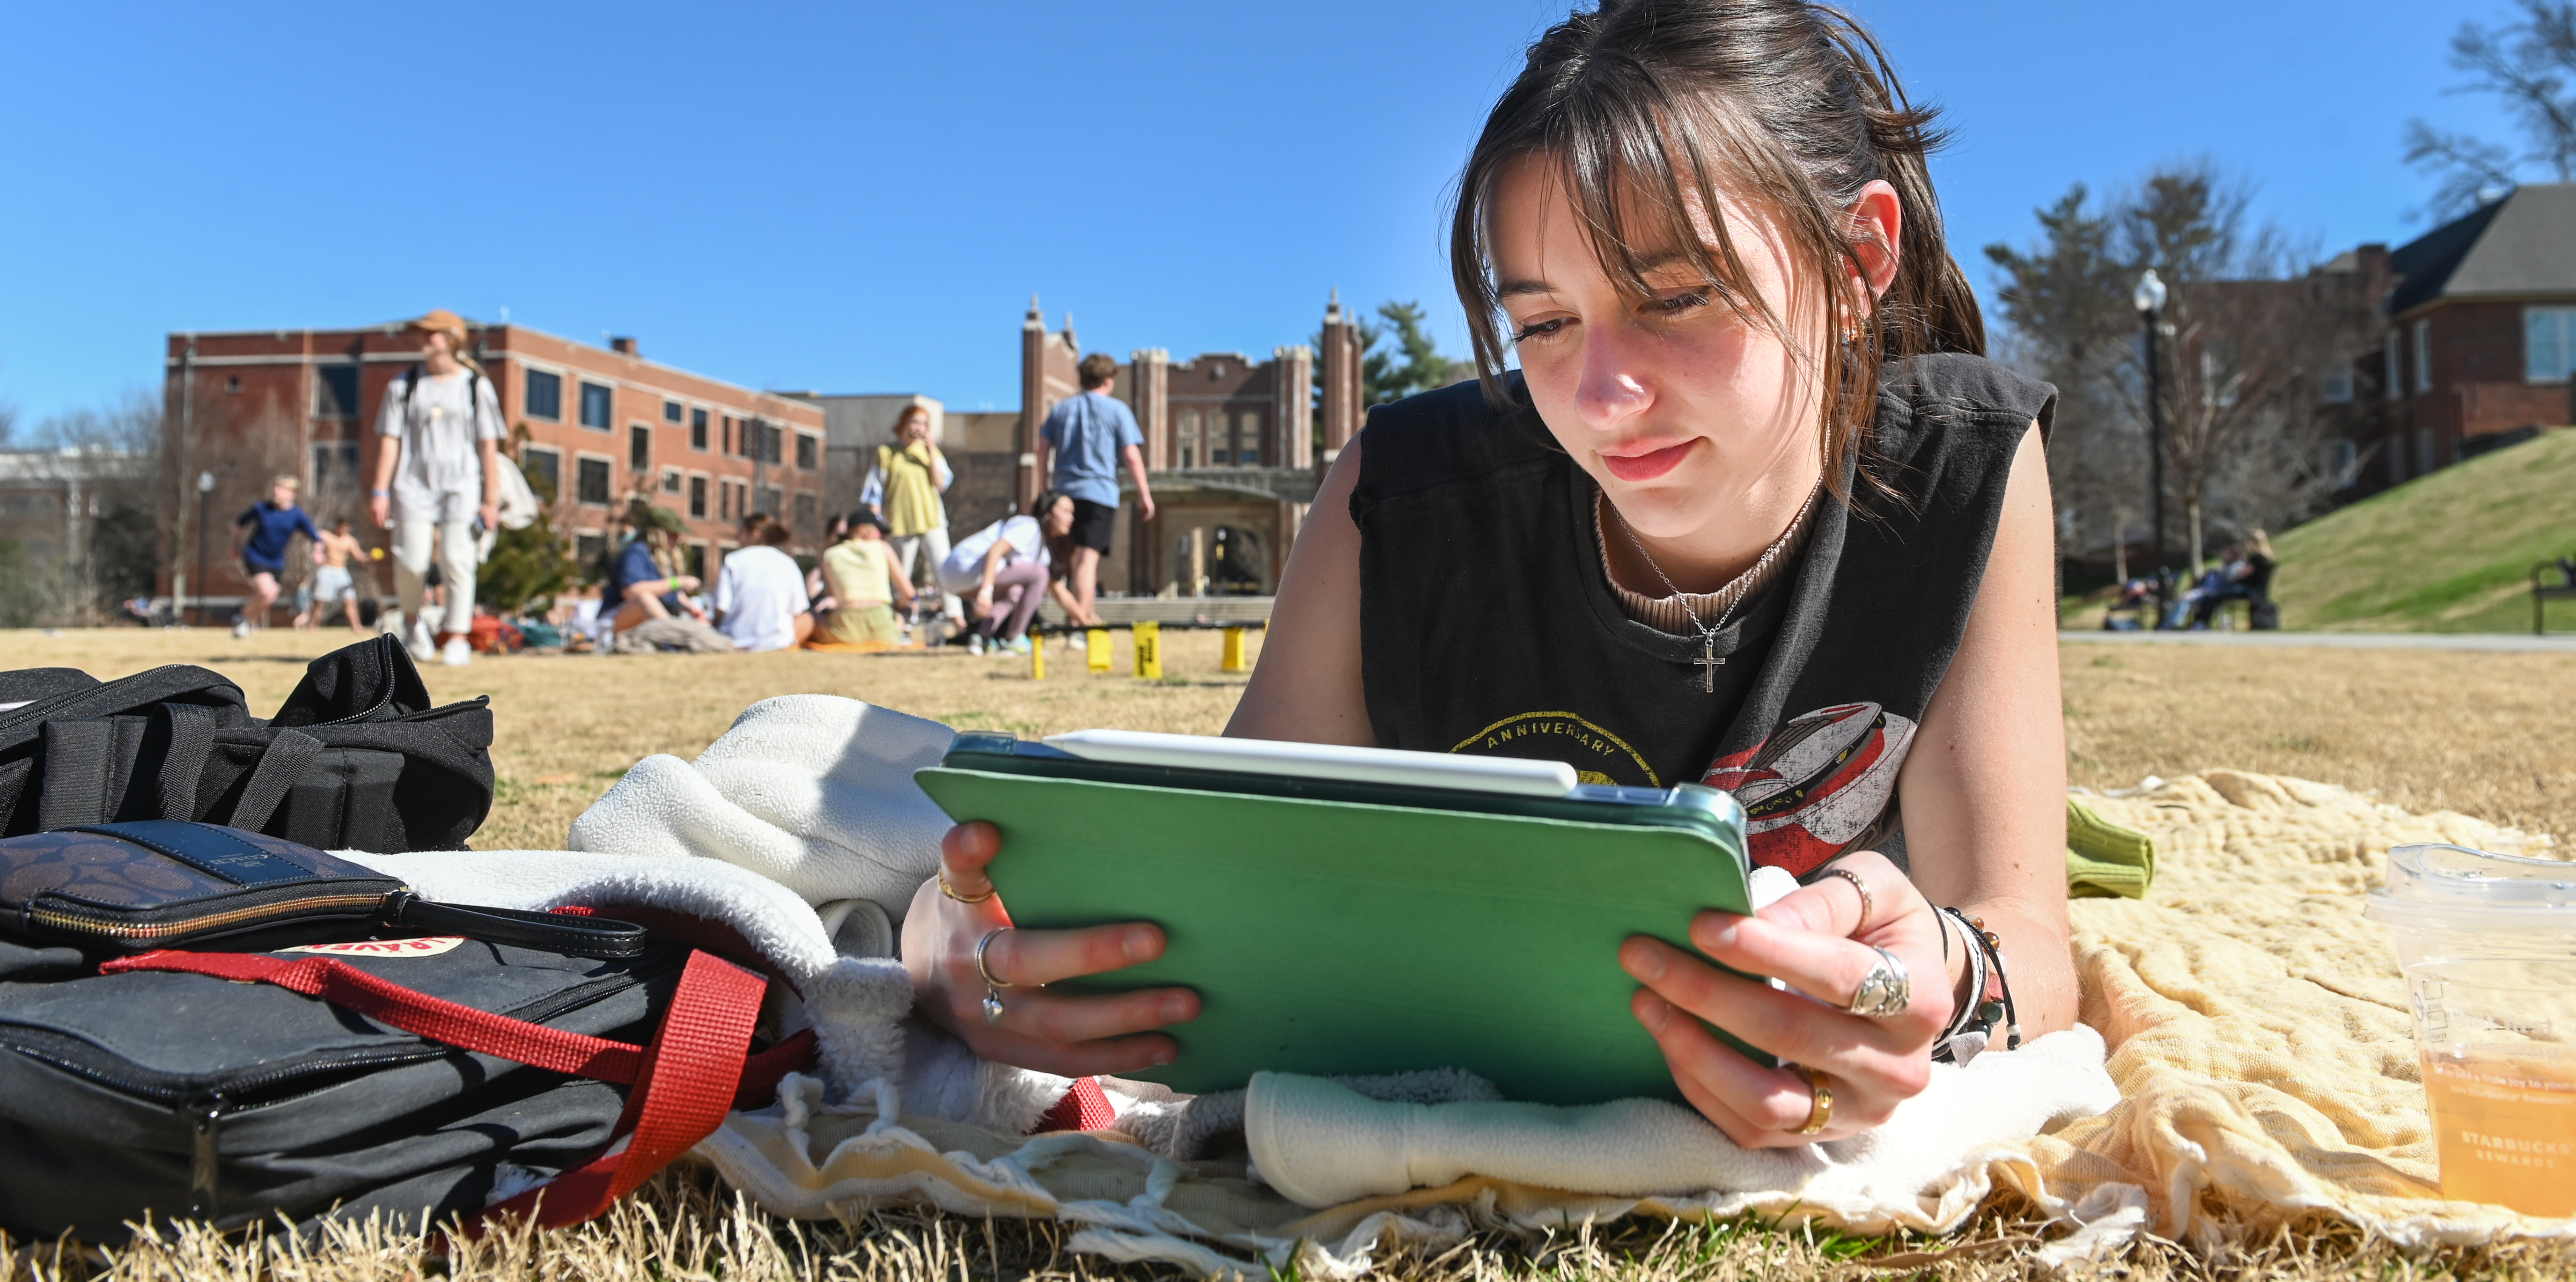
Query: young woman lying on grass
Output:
(1752,511)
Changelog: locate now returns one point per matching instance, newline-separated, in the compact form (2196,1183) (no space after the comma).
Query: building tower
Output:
(1342,391)
(1049,372)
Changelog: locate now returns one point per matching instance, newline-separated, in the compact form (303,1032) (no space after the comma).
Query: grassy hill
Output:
(2449,552)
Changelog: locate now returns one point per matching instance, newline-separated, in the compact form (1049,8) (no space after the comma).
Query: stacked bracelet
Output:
(1990,1004)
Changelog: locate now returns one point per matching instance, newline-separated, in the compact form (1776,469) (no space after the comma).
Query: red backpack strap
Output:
(690,1074)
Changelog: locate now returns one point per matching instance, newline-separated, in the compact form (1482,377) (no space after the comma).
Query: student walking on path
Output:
(903,490)
(1089,435)
(272,523)
(438,473)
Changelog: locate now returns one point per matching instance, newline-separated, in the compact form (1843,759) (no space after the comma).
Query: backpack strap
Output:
(80,768)
(288,754)
(192,740)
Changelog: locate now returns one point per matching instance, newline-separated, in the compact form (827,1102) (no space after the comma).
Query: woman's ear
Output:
(1878,219)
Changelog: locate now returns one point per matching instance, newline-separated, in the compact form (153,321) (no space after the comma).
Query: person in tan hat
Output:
(439,471)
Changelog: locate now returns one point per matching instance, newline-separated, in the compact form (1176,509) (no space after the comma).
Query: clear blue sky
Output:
(860,197)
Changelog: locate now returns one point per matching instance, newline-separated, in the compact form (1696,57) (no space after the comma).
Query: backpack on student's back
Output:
(356,758)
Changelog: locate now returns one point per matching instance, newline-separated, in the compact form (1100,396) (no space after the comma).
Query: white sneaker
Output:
(456,653)
(241,629)
(419,644)
(975,643)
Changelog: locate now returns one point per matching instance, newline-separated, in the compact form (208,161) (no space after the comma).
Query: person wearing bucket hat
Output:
(645,582)
(438,473)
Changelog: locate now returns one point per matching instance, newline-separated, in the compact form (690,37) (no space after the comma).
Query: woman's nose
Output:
(1612,387)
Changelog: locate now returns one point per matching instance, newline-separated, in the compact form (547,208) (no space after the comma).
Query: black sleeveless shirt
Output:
(1488,626)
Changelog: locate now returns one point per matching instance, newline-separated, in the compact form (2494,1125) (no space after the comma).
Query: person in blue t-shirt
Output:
(270,524)
(1090,434)
(644,582)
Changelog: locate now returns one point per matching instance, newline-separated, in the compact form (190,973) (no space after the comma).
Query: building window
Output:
(806,452)
(335,392)
(724,500)
(335,468)
(671,481)
(698,430)
(545,395)
(544,469)
(1247,440)
(233,384)
(805,512)
(670,411)
(1189,438)
(2342,462)
(639,447)
(698,497)
(695,558)
(590,549)
(728,433)
(2548,344)
(2336,387)
(2396,380)
(2424,356)
(595,401)
(772,499)
(594,481)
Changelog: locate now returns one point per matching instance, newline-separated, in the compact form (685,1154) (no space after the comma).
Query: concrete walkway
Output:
(2494,642)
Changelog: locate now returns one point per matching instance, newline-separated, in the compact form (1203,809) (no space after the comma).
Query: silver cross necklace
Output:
(1709,659)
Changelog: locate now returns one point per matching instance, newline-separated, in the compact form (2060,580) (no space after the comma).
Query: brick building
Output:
(1234,448)
(592,425)
(2477,341)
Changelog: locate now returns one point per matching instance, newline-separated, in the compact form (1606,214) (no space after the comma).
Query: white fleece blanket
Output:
(803,829)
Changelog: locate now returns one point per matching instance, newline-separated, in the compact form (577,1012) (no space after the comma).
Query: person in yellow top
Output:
(865,578)
(903,489)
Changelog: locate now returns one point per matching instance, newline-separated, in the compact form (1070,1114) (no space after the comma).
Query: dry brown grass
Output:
(2479,733)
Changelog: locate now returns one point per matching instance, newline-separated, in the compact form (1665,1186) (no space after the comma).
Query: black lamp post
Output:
(2150,301)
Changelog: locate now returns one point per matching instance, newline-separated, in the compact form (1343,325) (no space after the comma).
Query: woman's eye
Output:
(1678,304)
(1538,329)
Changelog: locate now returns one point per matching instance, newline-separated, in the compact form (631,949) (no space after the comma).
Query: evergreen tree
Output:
(527,566)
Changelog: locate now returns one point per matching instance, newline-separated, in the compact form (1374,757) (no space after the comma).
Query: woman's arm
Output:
(939,473)
(1984,787)
(1306,688)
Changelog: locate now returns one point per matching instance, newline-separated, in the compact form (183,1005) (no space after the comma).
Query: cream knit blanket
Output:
(2258,1030)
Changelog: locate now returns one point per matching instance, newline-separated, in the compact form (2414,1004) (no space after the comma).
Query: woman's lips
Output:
(1646,467)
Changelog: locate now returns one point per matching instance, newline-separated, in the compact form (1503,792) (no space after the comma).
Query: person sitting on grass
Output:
(1752,511)
(645,582)
(760,593)
(1003,568)
(864,579)
(272,523)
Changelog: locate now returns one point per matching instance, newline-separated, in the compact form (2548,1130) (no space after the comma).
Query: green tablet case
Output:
(1337,937)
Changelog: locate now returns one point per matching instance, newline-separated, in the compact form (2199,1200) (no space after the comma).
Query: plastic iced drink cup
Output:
(2488,945)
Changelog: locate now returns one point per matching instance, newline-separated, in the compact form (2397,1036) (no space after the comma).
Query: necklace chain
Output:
(1709,660)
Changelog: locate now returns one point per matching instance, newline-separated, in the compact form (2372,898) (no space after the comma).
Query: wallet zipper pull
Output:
(207,1152)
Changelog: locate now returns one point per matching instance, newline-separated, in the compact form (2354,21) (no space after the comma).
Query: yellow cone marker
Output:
(1149,650)
(1233,661)
(1037,657)
(1095,644)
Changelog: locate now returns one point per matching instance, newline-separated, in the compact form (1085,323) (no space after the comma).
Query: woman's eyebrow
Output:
(1523,288)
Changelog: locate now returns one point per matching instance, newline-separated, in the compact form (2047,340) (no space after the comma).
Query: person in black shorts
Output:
(1085,439)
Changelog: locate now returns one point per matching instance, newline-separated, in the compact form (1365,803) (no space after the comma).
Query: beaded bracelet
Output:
(1972,1027)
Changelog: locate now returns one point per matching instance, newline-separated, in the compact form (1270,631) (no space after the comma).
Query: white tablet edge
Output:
(1458,772)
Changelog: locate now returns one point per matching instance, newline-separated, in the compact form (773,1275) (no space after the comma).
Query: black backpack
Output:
(326,1064)
(355,759)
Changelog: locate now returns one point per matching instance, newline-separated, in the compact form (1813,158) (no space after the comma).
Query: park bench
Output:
(2542,591)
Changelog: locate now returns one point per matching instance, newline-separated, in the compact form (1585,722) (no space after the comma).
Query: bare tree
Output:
(2243,343)
(2530,65)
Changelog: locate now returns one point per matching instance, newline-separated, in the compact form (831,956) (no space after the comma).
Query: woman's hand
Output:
(1816,941)
(1070,1036)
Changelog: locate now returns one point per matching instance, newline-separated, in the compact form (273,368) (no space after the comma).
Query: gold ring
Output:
(1867,905)
(1820,1107)
(986,942)
(951,892)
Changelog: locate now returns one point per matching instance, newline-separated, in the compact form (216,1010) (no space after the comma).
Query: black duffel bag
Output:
(356,758)
(366,1070)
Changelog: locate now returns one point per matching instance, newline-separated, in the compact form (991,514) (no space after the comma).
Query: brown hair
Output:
(1096,369)
(1649,108)
(772,532)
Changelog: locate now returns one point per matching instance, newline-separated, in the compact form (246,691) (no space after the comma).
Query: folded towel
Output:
(1321,1144)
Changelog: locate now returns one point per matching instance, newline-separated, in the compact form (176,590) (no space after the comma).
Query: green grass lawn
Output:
(2449,552)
